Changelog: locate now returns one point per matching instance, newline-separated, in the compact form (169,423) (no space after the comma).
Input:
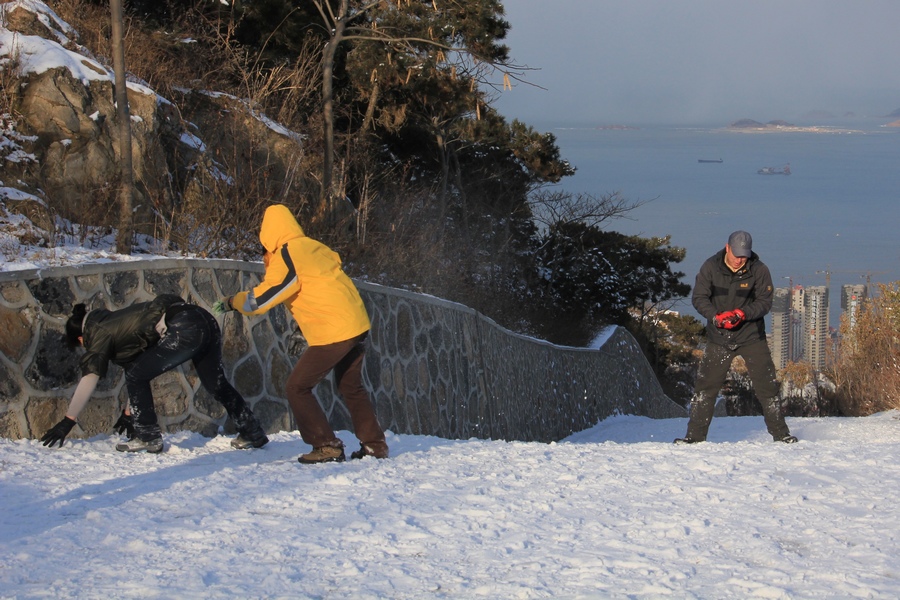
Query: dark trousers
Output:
(711,376)
(346,359)
(193,334)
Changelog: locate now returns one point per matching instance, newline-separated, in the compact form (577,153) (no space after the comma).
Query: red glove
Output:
(736,317)
(730,319)
(722,319)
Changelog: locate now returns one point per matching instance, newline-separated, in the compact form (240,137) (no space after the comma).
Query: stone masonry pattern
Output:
(432,367)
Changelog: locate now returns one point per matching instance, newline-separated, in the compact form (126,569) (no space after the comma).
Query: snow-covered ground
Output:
(617,511)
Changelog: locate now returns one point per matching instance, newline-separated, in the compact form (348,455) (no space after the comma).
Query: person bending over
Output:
(147,339)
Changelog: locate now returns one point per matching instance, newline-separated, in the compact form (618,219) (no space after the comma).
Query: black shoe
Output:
(154,446)
(789,439)
(686,440)
(242,442)
(379,450)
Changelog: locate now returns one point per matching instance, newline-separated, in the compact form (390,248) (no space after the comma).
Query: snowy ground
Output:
(613,512)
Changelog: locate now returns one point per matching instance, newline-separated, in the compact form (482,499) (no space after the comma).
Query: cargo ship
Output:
(775,170)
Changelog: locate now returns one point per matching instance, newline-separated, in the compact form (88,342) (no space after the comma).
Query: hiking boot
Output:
(378,450)
(686,440)
(789,439)
(153,446)
(323,454)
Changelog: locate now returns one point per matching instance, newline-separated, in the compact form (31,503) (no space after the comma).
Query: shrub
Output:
(806,392)
(866,368)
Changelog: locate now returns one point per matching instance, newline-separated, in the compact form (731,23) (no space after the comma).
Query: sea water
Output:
(835,219)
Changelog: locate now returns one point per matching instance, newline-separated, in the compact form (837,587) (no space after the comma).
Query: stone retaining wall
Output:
(433,367)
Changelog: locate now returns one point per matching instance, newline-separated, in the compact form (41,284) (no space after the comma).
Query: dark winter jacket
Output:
(121,336)
(719,289)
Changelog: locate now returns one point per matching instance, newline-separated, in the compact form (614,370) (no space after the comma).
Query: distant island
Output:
(751,124)
(778,126)
(615,127)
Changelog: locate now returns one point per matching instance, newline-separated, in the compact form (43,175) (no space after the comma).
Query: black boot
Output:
(136,444)
(251,437)
(376,449)
(686,440)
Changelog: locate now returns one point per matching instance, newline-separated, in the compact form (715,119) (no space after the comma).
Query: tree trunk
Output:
(125,234)
(325,208)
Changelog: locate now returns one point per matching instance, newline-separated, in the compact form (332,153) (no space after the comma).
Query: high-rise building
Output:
(780,340)
(852,299)
(815,325)
(786,339)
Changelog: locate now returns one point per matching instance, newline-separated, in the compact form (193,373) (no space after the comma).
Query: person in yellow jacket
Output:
(306,275)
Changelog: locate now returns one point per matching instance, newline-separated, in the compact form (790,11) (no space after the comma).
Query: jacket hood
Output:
(278,227)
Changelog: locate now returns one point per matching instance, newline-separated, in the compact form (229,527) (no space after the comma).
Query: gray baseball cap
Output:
(741,244)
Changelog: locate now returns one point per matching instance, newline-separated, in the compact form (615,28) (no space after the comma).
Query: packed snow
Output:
(617,511)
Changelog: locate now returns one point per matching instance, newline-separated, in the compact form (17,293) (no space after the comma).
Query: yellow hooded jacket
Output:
(307,276)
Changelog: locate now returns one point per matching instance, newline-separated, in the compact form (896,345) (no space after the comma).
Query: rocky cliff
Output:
(59,141)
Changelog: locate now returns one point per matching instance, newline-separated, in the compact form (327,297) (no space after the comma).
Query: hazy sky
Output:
(696,61)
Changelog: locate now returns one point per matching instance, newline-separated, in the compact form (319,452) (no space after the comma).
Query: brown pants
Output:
(346,359)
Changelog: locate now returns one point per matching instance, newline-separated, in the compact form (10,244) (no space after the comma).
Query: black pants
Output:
(192,334)
(711,376)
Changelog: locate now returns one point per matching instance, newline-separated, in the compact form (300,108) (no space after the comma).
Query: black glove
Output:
(125,425)
(58,432)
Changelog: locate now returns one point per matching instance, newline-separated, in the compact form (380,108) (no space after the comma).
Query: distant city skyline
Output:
(697,61)
(800,328)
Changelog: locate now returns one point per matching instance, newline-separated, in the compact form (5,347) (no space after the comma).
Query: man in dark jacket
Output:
(734,292)
(147,339)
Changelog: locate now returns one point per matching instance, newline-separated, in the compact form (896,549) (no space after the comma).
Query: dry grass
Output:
(9,83)
(219,200)
(805,392)
(202,54)
(866,369)
(164,60)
